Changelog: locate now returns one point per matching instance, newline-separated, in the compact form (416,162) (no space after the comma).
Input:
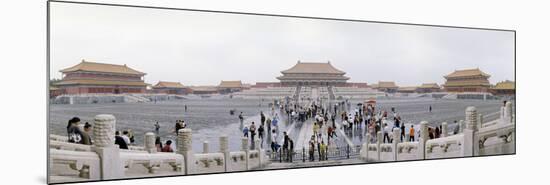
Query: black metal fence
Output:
(307,155)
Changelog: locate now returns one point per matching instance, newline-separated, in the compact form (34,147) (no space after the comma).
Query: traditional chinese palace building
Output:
(468,80)
(311,74)
(428,88)
(386,86)
(170,88)
(504,88)
(92,77)
(230,86)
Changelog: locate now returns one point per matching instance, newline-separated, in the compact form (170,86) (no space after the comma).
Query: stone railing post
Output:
(112,166)
(479,120)
(185,148)
(396,139)
(423,138)
(150,142)
(471,127)
(205,147)
(444,131)
(378,142)
(244,147)
(224,149)
(461,126)
(508,113)
(259,149)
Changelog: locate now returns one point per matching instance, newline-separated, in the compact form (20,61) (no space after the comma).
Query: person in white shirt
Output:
(387,130)
(273,140)
(125,137)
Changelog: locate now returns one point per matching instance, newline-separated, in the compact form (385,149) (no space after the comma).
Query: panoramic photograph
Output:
(150,92)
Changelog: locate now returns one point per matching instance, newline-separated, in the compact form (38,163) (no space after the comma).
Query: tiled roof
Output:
(429,86)
(505,85)
(312,67)
(230,84)
(100,82)
(162,84)
(382,84)
(102,67)
(203,88)
(467,72)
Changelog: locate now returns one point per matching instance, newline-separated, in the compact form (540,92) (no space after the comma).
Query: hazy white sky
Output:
(202,48)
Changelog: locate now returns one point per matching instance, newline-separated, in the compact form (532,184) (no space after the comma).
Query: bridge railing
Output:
(104,160)
(475,138)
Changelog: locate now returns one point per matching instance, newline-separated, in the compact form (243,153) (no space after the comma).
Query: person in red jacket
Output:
(167,147)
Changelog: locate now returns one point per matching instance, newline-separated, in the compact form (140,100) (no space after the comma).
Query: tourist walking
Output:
(245,132)
(323,149)
(262,117)
(261,135)
(402,132)
(157,128)
(241,118)
(411,133)
(387,130)
(430,108)
(274,144)
(252,134)
(290,149)
(285,142)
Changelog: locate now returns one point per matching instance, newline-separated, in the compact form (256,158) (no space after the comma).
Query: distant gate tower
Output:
(313,74)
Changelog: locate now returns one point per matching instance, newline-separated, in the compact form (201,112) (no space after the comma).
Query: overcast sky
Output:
(202,48)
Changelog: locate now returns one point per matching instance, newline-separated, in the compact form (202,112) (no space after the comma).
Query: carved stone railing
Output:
(152,161)
(62,145)
(237,161)
(445,147)
(496,139)
(210,162)
(475,138)
(61,138)
(408,151)
(387,152)
(114,163)
(86,163)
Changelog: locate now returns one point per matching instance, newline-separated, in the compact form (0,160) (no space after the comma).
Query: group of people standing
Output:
(82,134)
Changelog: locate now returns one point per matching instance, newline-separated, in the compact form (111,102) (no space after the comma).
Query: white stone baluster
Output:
(444,131)
(244,147)
(508,113)
(378,142)
(104,145)
(150,142)
(185,149)
(224,148)
(423,138)
(205,147)
(396,139)
(471,127)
